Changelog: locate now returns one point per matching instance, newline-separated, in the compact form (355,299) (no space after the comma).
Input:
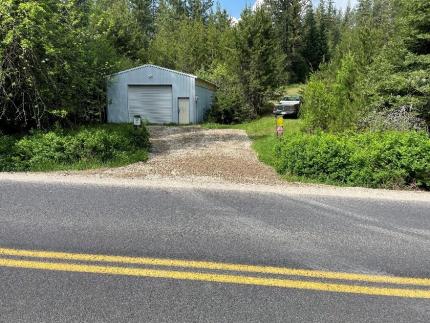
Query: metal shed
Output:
(159,95)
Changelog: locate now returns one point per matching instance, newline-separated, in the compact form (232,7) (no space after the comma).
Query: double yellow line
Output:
(175,269)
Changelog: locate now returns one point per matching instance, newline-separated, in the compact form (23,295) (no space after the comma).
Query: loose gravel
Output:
(196,158)
(194,152)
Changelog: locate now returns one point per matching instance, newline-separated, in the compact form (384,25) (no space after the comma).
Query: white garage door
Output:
(152,103)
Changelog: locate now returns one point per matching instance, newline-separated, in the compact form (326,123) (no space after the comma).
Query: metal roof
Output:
(163,69)
(155,66)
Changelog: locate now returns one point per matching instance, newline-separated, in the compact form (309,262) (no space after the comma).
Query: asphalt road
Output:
(314,234)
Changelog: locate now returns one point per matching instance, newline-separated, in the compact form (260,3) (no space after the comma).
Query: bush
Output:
(229,104)
(84,148)
(230,107)
(334,103)
(372,159)
(8,161)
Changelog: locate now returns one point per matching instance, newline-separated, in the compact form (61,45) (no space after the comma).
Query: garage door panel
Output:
(153,103)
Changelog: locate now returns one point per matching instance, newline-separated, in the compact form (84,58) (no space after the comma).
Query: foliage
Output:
(377,79)
(310,50)
(370,75)
(334,106)
(306,35)
(189,40)
(55,55)
(52,65)
(125,24)
(262,50)
(86,147)
(397,80)
(229,104)
(258,58)
(372,159)
(288,25)
(401,72)
(369,64)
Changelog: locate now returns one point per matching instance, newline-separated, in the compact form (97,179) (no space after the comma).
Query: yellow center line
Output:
(216,278)
(217,266)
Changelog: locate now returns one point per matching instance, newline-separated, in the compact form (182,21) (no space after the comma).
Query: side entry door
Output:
(184,110)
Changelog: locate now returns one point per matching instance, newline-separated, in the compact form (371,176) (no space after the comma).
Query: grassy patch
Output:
(83,148)
(262,134)
(292,89)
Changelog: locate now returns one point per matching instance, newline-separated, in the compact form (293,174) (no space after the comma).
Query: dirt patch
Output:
(224,154)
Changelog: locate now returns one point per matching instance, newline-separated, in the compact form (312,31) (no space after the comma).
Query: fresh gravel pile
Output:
(219,154)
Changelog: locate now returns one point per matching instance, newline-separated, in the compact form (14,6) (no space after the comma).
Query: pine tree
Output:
(334,23)
(347,16)
(287,17)
(417,18)
(199,9)
(144,12)
(311,41)
(119,21)
(178,7)
(416,31)
(323,31)
(258,57)
(193,9)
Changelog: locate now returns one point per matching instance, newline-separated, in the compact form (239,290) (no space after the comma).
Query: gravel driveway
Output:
(194,152)
(197,158)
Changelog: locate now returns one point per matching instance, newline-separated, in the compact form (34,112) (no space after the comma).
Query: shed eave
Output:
(153,66)
(210,84)
(164,69)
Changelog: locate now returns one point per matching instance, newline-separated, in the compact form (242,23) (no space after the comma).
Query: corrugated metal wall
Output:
(183,86)
(205,98)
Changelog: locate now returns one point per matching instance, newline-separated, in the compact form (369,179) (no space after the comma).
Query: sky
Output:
(235,7)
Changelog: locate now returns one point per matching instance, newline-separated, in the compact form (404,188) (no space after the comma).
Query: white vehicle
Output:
(288,106)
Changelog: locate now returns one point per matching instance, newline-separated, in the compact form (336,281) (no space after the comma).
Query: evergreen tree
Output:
(178,7)
(417,19)
(311,52)
(199,9)
(287,17)
(190,45)
(388,45)
(323,30)
(144,12)
(119,21)
(193,9)
(334,25)
(347,17)
(258,57)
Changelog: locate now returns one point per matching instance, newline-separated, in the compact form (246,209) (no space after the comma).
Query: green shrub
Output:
(229,108)
(335,103)
(8,161)
(382,159)
(82,148)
